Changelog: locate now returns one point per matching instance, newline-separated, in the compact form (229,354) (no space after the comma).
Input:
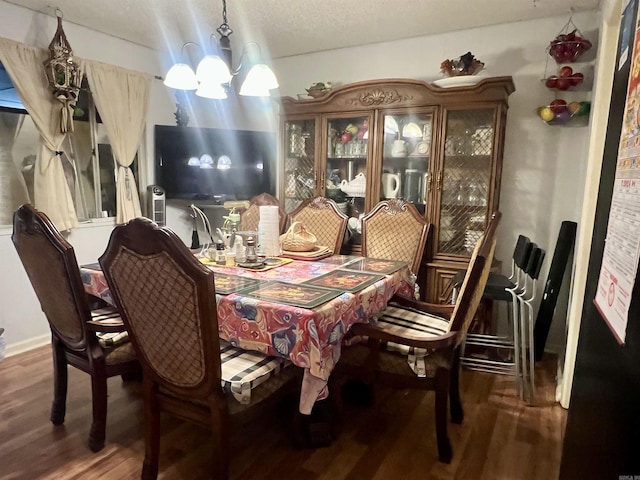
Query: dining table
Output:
(296,309)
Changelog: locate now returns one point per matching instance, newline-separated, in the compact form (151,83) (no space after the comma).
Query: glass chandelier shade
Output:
(259,81)
(181,77)
(211,90)
(213,69)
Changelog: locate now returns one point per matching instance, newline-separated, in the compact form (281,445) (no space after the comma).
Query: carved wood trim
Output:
(399,92)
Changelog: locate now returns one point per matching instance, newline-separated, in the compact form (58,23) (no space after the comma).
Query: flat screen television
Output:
(209,164)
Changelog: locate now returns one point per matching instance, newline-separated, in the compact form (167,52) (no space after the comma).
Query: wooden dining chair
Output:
(395,230)
(322,217)
(431,333)
(168,304)
(250,218)
(51,266)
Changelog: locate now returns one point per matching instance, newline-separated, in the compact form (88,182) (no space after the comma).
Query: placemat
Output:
(376,265)
(272,262)
(226,284)
(340,259)
(296,295)
(345,280)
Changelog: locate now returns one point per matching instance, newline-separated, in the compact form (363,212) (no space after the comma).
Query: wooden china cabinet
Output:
(439,148)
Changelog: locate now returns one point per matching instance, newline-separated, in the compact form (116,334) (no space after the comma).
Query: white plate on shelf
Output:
(390,125)
(412,130)
(459,81)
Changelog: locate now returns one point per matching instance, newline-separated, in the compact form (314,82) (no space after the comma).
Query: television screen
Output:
(214,164)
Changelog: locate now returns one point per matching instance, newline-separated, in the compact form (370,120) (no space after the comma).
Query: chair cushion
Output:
(244,370)
(404,321)
(120,354)
(401,320)
(109,316)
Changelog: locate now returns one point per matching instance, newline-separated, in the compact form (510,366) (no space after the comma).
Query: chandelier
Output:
(214,74)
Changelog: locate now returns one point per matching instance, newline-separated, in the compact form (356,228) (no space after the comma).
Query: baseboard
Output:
(26,345)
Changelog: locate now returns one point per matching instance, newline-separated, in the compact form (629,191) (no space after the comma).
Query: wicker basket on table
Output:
(298,239)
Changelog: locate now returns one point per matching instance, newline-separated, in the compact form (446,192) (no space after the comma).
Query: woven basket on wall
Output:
(298,238)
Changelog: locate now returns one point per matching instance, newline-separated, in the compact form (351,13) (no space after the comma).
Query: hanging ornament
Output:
(64,75)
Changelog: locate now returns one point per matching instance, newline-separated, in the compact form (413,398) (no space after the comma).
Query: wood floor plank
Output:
(501,437)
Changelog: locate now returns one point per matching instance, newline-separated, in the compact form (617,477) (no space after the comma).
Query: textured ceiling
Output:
(291,27)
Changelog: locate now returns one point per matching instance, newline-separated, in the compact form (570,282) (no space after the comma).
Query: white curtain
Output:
(25,67)
(13,190)
(122,99)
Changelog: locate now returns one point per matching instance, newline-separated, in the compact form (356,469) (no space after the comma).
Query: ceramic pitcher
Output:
(390,185)
(399,148)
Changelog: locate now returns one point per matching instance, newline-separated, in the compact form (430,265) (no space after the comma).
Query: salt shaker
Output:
(251,255)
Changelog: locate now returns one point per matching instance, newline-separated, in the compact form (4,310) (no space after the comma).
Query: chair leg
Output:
(220,430)
(60,381)
(523,348)
(99,401)
(455,402)
(532,362)
(151,433)
(516,343)
(442,391)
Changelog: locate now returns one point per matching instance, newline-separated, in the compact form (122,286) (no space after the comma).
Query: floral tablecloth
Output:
(310,338)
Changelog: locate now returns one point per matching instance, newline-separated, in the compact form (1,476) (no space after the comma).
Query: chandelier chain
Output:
(224,29)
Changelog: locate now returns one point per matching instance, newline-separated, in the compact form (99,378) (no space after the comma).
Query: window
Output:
(88,162)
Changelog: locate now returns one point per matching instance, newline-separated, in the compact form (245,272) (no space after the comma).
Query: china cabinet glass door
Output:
(300,176)
(406,151)
(465,179)
(346,163)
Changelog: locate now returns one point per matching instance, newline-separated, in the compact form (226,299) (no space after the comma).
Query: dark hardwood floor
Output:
(501,437)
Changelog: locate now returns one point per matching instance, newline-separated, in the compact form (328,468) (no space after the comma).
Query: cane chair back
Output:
(250,218)
(50,263)
(431,332)
(322,217)
(168,303)
(395,230)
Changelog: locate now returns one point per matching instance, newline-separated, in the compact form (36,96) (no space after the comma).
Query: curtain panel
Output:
(25,67)
(13,189)
(122,99)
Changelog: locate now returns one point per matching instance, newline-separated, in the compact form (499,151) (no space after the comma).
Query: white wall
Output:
(544,167)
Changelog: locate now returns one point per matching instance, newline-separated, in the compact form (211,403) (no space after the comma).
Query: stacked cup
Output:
(269,230)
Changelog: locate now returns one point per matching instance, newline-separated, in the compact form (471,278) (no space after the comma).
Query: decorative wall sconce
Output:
(63,74)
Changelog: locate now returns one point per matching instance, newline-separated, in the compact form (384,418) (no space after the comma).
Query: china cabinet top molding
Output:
(399,92)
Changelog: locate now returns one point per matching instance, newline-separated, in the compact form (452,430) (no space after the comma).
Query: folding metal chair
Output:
(504,289)
(525,300)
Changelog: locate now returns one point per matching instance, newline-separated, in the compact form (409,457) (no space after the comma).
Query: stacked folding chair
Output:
(517,291)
